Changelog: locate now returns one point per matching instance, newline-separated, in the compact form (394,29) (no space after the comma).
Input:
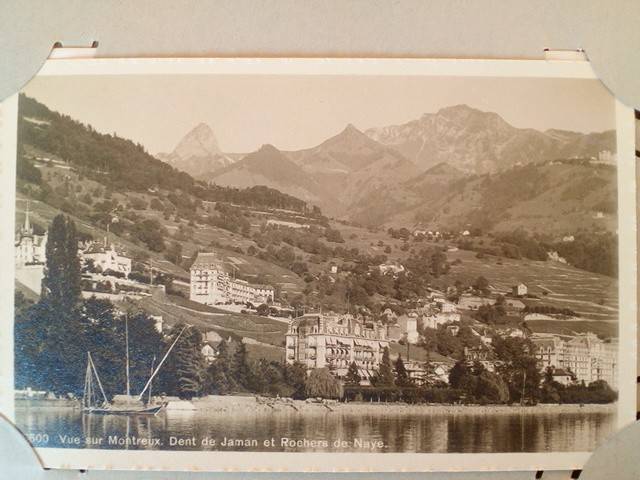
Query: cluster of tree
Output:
(230,218)
(365,281)
(27,171)
(495,314)
(53,336)
(555,392)
(478,384)
(550,310)
(257,197)
(591,251)
(594,252)
(115,161)
(444,342)
(151,233)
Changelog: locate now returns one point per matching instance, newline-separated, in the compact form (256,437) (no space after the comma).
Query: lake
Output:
(291,431)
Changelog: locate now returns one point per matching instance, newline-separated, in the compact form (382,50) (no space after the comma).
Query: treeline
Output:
(53,335)
(116,161)
(121,164)
(591,251)
(259,196)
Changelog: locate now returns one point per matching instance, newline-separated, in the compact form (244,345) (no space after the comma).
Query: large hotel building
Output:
(335,341)
(211,284)
(586,356)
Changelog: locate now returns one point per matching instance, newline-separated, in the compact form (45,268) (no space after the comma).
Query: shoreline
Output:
(247,405)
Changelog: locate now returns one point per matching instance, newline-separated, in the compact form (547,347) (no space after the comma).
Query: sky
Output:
(296,112)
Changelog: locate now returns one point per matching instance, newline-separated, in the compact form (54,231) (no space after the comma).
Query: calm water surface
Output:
(424,433)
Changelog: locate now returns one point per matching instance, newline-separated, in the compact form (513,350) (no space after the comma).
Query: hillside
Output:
(159,216)
(334,174)
(269,166)
(480,142)
(558,197)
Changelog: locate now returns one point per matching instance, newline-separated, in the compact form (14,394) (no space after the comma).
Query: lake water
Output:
(379,432)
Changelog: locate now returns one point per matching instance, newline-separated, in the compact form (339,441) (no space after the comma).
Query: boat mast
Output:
(126,341)
(160,364)
(152,366)
(97,378)
(86,396)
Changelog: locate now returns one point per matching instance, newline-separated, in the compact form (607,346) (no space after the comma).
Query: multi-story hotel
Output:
(585,355)
(335,341)
(211,284)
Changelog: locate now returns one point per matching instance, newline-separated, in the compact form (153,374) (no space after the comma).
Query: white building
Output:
(519,290)
(107,258)
(392,268)
(30,248)
(409,327)
(30,256)
(211,284)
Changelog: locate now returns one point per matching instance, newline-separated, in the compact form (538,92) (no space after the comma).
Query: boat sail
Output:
(95,400)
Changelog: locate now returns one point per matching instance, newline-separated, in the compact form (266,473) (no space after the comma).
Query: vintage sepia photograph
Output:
(306,263)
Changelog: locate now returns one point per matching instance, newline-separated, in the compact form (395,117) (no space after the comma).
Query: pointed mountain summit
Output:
(198,153)
(199,142)
(270,167)
(476,141)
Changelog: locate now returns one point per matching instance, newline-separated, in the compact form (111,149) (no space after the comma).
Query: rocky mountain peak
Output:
(199,142)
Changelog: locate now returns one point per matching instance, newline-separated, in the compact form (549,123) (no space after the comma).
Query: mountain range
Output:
(348,173)
(475,141)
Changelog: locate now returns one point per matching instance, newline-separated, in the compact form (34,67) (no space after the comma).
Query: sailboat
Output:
(95,400)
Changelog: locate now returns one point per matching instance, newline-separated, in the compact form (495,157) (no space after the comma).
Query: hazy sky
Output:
(294,112)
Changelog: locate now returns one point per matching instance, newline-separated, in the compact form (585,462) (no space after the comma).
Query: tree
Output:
(518,368)
(384,376)
(401,374)
(184,371)
(321,383)
(220,380)
(241,372)
(481,284)
(43,332)
(61,281)
(457,374)
(263,310)
(295,376)
(353,377)
(174,253)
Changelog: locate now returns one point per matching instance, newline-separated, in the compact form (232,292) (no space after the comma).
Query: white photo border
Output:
(328,462)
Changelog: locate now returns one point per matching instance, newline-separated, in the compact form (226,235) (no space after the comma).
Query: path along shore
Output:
(248,405)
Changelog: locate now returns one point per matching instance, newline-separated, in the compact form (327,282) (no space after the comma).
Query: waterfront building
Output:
(211,284)
(319,340)
(562,376)
(585,355)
